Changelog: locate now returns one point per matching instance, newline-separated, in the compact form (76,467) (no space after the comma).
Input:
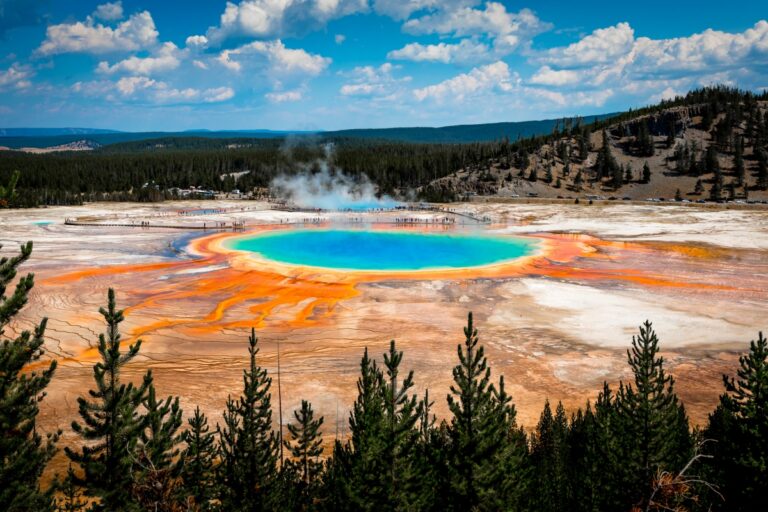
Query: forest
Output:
(147,170)
(632,448)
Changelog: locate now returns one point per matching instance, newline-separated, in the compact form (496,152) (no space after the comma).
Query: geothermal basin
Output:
(557,292)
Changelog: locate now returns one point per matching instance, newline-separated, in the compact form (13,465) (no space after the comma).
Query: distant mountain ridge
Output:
(51,132)
(50,137)
(463,132)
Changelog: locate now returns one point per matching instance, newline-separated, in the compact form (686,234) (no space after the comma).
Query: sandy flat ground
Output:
(555,329)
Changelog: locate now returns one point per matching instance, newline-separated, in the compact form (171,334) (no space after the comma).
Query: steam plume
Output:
(329,190)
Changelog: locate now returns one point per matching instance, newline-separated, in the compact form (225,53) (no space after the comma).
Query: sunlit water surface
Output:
(383,250)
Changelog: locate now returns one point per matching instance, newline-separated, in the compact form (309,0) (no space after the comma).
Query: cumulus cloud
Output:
(614,57)
(549,76)
(493,20)
(15,77)
(277,18)
(138,32)
(284,97)
(467,50)
(197,42)
(601,46)
(166,58)
(281,60)
(373,81)
(145,89)
(502,32)
(495,76)
(339,38)
(109,11)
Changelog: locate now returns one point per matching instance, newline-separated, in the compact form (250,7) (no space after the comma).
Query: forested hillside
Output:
(136,449)
(711,144)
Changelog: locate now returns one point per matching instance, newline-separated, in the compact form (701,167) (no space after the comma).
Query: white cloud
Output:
(197,42)
(548,76)
(15,77)
(494,20)
(467,50)
(167,58)
(490,77)
(339,38)
(613,58)
(374,81)
(144,89)
(283,97)
(136,33)
(601,46)
(281,60)
(276,18)
(109,12)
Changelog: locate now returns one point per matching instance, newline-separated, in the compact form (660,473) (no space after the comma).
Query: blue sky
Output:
(331,64)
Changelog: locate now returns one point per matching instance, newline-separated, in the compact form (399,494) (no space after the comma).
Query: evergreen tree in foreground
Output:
(305,448)
(400,435)
(248,447)
(71,499)
(488,452)
(157,464)
(368,466)
(653,426)
(112,424)
(549,457)
(197,472)
(739,427)
(24,453)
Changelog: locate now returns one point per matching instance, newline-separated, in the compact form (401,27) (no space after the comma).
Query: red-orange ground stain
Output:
(310,294)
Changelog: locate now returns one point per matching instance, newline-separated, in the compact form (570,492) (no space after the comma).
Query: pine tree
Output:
(739,426)
(762,168)
(646,173)
(578,181)
(8,192)
(157,482)
(605,164)
(651,418)
(402,412)
(487,456)
(431,460)
(112,424)
(644,142)
(24,452)
(549,456)
(305,448)
(71,499)
(248,446)
(628,174)
(367,451)
(197,472)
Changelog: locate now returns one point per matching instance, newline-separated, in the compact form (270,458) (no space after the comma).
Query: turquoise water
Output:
(383,250)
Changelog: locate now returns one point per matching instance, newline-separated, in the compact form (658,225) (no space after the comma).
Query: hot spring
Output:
(383,250)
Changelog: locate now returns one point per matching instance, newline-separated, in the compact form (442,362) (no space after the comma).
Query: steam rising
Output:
(329,190)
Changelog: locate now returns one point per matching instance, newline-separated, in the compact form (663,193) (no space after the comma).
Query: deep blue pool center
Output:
(383,250)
